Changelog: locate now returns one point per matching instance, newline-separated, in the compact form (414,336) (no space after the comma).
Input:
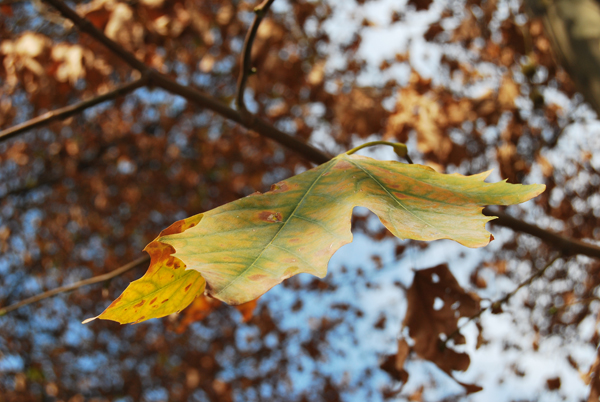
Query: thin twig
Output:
(539,273)
(246,59)
(69,111)
(496,306)
(76,285)
(565,245)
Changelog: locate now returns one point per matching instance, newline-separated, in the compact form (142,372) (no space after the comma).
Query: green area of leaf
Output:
(244,248)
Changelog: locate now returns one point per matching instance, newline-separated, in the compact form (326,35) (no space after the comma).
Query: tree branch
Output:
(255,124)
(565,245)
(205,101)
(69,111)
(76,285)
(246,59)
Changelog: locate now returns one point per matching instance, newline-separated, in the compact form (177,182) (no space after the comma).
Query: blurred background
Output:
(468,85)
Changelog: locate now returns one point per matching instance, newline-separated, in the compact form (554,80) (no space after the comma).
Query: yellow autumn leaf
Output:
(244,248)
(166,288)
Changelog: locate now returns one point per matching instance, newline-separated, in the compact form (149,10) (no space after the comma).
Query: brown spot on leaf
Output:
(164,301)
(175,228)
(279,187)
(257,277)
(187,287)
(114,303)
(325,251)
(140,304)
(153,300)
(182,225)
(343,165)
(270,216)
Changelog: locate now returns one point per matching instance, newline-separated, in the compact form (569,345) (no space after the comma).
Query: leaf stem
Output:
(399,148)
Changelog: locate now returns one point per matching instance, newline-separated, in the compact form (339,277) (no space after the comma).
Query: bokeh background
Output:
(468,85)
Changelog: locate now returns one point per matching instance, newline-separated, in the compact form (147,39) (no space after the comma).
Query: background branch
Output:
(69,111)
(76,285)
(191,94)
(246,59)
(565,245)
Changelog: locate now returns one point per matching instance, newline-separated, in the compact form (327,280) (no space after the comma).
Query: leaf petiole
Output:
(399,148)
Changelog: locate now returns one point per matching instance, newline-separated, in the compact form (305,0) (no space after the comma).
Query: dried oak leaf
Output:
(394,364)
(423,113)
(426,321)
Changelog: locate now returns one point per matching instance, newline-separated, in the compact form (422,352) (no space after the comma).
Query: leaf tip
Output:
(87,320)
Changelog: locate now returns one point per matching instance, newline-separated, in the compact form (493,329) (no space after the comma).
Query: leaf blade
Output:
(167,287)
(412,201)
(268,215)
(423,194)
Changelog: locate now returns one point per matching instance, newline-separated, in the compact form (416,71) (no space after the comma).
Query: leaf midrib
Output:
(331,163)
(391,195)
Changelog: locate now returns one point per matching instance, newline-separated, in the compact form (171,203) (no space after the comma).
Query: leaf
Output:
(426,322)
(244,248)
(247,309)
(166,287)
(394,364)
